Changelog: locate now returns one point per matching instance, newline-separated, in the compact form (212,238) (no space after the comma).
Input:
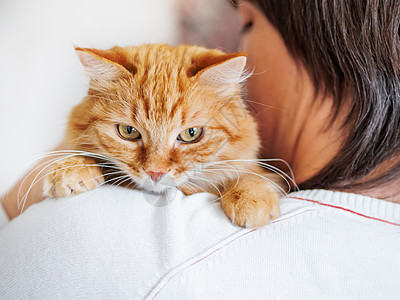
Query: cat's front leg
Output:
(252,201)
(72,175)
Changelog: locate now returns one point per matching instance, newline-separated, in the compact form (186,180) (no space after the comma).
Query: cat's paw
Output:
(72,175)
(252,202)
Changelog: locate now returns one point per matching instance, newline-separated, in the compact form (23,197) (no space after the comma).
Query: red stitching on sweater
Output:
(274,221)
(219,248)
(348,210)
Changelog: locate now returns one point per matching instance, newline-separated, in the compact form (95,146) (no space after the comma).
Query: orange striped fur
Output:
(161,91)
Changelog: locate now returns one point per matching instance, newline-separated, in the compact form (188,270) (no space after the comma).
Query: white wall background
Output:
(40,76)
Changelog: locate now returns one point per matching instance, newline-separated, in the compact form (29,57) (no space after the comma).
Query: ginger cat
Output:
(154,112)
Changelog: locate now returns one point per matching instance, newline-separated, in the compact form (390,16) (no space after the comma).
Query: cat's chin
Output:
(158,188)
(163,192)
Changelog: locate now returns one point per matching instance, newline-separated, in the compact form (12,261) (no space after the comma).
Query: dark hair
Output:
(350,48)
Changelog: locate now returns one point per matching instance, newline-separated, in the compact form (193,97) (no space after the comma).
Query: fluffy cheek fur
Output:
(230,131)
(229,135)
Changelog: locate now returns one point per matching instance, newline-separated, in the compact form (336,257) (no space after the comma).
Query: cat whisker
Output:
(205,168)
(265,105)
(21,202)
(100,165)
(202,178)
(218,174)
(244,170)
(232,168)
(289,181)
(270,168)
(261,162)
(213,201)
(278,160)
(189,186)
(100,176)
(43,166)
(209,182)
(131,184)
(121,180)
(70,151)
(104,176)
(111,180)
(277,187)
(195,185)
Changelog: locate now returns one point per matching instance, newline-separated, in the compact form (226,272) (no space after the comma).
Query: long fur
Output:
(161,91)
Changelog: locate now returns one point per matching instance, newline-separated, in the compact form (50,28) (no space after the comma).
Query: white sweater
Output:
(112,244)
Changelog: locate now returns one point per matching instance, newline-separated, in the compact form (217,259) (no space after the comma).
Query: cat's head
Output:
(165,112)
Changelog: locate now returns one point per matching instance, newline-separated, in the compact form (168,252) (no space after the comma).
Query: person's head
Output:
(349,51)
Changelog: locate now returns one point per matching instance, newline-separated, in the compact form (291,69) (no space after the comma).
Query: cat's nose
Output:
(156,176)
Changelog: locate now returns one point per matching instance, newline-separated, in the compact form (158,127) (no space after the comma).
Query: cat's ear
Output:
(101,65)
(226,75)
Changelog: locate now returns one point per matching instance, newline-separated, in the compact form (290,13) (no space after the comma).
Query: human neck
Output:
(301,131)
(316,142)
(316,148)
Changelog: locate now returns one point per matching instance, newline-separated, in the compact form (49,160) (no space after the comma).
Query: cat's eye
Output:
(191,135)
(128,132)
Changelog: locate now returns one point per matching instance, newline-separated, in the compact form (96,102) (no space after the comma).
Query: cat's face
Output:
(165,114)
